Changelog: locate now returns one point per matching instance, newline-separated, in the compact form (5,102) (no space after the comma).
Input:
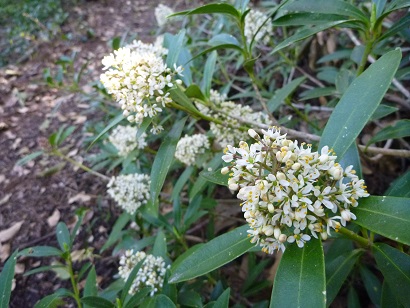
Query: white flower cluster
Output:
(151,274)
(254,21)
(130,191)
(138,78)
(290,192)
(123,139)
(155,48)
(190,147)
(228,133)
(161,13)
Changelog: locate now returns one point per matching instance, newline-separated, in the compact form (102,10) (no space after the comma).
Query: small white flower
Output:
(123,139)
(253,23)
(189,148)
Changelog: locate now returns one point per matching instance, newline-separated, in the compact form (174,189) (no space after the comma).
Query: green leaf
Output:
(46,268)
(164,158)
(213,8)
(209,70)
(389,300)
(283,93)
(382,111)
(158,301)
(113,123)
(6,280)
(30,157)
(365,93)
(300,279)
(303,19)
(135,300)
(193,91)
(337,55)
(215,177)
(65,133)
(182,99)
(97,302)
(63,236)
(400,129)
(337,272)
(50,301)
(116,233)
(91,288)
(317,92)
(160,245)
(40,251)
(175,47)
(182,180)
(395,267)
(143,127)
(212,255)
(224,38)
(352,157)
(398,26)
(189,298)
(222,46)
(353,299)
(130,280)
(388,216)
(304,33)
(372,285)
(201,182)
(400,187)
(223,300)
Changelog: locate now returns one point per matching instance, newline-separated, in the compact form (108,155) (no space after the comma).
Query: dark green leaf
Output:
(65,133)
(164,158)
(352,157)
(387,216)
(300,279)
(212,255)
(135,300)
(382,111)
(116,43)
(318,92)
(223,300)
(113,123)
(116,234)
(209,70)
(401,24)
(158,301)
(304,33)
(182,99)
(400,129)
(303,19)
(215,177)
(160,245)
(365,93)
(143,127)
(182,180)
(50,301)
(372,285)
(46,268)
(395,267)
(30,157)
(41,251)
(189,298)
(337,272)
(281,94)
(400,187)
(130,280)
(63,236)
(222,46)
(6,280)
(97,302)
(353,299)
(91,288)
(337,55)
(213,8)
(193,91)
(389,300)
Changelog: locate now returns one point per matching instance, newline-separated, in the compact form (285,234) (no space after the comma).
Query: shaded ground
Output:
(29,112)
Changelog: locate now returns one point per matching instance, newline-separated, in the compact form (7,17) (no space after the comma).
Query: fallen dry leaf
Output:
(6,198)
(7,234)
(80,197)
(4,252)
(19,268)
(54,218)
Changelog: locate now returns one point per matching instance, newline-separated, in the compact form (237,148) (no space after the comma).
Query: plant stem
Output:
(366,53)
(73,281)
(353,236)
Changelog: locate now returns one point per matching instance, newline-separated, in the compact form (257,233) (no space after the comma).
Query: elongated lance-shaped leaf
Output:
(212,255)
(97,302)
(6,279)
(388,216)
(175,47)
(337,272)
(41,251)
(213,8)
(223,299)
(208,73)
(300,279)
(158,301)
(306,32)
(358,103)
(282,93)
(395,267)
(400,187)
(164,159)
(63,236)
(400,129)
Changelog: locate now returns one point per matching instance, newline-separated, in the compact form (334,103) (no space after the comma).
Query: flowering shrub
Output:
(264,108)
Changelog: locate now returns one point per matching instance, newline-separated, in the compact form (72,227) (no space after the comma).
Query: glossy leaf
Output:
(113,123)
(400,187)
(388,216)
(215,177)
(400,129)
(281,94)
(224,38)
(212,8)
(300,279)
(212,255)
(41,251)
(158,301)
(305,33)
(338,270)
(223,300)
(182,99)
(6,280)
(164,159)
(90,287)
(135,300)
(389,300)
(97,302)
(372,285)
(63,236)
(209,70)
(303,19)
(382,111)
(365,93)
(395,267)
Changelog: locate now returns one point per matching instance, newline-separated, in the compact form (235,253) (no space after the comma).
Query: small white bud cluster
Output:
(254,21)
(123,139)
(289,192)
(228,134)
(130,191)
(190,147)
(138,78)
(161,13)
(151,274)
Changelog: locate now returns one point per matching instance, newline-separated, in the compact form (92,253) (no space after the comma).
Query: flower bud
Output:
(323,235)
(277,233)
(280,176)
(336,172)
(225,170)
(271,208)
(346,215)
(233,186)
(296,166)
(268,230)
(282,238)
(253,133)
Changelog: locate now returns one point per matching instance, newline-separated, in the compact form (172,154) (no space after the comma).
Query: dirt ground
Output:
(33,198)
